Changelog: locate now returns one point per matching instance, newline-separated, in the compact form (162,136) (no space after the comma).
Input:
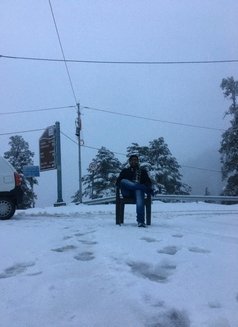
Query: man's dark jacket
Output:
(130,174)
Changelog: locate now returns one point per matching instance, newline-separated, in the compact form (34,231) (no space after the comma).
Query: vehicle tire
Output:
(7,208)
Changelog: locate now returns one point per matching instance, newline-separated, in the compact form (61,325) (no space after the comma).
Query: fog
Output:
(125,102)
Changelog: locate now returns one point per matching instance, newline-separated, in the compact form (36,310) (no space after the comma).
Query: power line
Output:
(87,146)
(21,132)
(206,169)
(111,112)
(68,137)
(34,110)
(153,119)
(114,113)
(95,148)
(123,154)
(76,102)
(111,62)
(62,50)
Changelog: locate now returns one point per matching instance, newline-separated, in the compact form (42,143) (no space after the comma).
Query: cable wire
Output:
(115,113)
(34,110)
(21,132)
(95,148)
(111,62)
(123,154)
(62,50)
(153,119)
(206,169)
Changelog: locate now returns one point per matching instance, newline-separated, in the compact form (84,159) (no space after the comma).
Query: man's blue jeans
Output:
(137,191)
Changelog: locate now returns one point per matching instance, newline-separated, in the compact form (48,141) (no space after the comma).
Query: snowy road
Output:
(73,267)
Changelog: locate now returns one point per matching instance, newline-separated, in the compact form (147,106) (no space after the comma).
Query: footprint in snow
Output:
(64,248)
(16,269)
(84,256)
(198,250)
(177,235)
(156,273)
(88,242)
(214,305)
(79,234)
(67,237)
(171,250)
(156,303)
(170,318)
(149,239)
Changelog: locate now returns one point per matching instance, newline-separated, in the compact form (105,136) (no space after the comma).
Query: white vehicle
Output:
(11,192)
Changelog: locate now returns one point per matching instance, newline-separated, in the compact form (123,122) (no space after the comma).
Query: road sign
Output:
(47,149)
(31,171)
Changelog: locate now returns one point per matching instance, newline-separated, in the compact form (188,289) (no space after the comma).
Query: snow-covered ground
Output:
(73,267)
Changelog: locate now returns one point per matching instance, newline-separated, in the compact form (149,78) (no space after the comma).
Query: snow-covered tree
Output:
(102,174)
(229,143)
(19,156)
(141,151)
(163,168)
(76,197)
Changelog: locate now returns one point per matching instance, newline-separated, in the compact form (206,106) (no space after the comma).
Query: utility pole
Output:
(78,130)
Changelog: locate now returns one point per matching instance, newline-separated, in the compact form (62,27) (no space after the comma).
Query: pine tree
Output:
(102,174)
(163,168)
(75,198)
(19,156)
(141,151)
(229,143)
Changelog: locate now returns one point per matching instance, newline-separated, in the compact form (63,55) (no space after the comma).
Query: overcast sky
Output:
(155,30)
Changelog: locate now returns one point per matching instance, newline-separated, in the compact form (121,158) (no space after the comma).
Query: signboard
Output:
(47,149)
(31,171)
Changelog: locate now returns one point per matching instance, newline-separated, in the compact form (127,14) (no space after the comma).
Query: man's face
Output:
(134,162)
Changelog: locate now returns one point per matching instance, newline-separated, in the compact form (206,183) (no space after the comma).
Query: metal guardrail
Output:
(110,199)
(210,198)
(173,198)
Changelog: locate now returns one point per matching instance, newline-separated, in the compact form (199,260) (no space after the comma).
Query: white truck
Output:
(11,191)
